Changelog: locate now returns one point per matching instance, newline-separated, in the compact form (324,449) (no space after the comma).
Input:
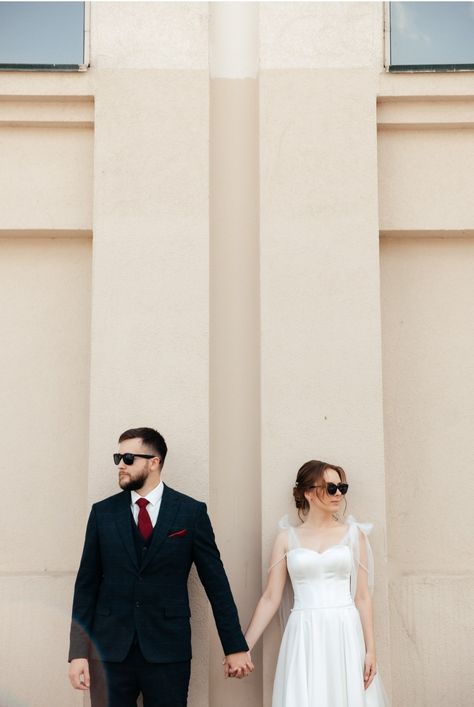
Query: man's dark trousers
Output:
(119,684)
(131,615)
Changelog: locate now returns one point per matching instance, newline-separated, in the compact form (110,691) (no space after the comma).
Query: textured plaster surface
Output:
(45,293)
(45,315)
(428,349)
(149,35)
(321,364)
(35,616)
(425,179)
(233,40)
(320,35)
(46,181)
(234,358)
(149,357)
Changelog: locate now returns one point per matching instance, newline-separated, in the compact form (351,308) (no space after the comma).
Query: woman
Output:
(327,654)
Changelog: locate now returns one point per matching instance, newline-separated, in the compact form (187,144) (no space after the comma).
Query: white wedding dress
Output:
(321,659)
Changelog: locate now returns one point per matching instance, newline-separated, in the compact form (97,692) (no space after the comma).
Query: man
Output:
(130,629)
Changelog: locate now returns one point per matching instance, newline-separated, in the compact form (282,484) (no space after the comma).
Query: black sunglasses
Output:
(129,458)
(331,488)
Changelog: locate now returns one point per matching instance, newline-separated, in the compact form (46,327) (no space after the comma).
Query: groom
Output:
(130,629)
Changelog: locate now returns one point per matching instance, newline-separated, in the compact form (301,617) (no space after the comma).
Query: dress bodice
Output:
(320,579)
(325,579)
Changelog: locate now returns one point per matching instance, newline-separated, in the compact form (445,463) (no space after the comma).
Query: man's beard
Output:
(129,484)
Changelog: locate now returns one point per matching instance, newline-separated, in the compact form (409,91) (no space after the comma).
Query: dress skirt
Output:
(321,661)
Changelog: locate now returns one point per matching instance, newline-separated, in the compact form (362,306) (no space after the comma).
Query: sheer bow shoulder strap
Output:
(287,599)
(292,540)
(361,552)
(284,524)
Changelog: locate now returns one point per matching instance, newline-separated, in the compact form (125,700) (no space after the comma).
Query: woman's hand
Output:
(238,665)
(370,669)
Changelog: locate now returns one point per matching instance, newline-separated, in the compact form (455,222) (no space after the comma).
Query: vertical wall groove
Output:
(235,325)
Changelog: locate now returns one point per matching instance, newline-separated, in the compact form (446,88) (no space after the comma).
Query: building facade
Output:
(237,226)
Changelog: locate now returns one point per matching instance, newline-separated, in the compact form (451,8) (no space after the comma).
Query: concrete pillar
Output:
(150,287)
(321,359)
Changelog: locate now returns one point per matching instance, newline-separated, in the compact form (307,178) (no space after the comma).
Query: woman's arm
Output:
(271,597)
(363,602)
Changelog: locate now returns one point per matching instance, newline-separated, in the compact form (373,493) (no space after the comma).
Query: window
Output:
(431,36)
(42,35)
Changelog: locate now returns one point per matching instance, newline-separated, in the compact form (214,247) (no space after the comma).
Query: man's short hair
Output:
(150,437)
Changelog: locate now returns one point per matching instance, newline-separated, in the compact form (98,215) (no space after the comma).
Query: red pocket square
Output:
(178,533)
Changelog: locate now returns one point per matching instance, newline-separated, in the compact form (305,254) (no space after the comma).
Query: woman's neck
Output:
(319,519)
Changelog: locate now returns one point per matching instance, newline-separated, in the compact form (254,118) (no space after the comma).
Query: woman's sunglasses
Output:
(332,488)
(129,458)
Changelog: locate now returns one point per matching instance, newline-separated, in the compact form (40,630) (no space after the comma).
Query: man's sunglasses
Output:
(332,488)
(129,458)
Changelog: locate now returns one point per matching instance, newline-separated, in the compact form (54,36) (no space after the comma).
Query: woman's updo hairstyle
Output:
(312,474)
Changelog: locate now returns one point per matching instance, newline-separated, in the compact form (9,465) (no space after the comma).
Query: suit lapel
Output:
(124,526)
(168,509)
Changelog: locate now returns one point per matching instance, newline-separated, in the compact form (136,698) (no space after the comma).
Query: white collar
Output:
(153,496)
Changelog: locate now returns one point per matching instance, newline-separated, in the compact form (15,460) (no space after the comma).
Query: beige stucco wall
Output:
(45,323)
(67,152)
(227,163)
(425,179)
(425,167)
(150,279)
(428,302)
(321,366)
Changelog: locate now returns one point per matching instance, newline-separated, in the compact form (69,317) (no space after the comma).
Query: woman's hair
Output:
(312,474)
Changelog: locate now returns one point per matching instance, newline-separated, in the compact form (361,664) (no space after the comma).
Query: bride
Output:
(327,654)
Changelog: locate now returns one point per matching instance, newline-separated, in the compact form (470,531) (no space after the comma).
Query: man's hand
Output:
(238,665)
(79,673)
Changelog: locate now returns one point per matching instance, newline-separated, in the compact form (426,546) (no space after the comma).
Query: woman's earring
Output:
(345,506)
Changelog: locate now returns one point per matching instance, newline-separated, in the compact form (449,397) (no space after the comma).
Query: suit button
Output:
(137,604)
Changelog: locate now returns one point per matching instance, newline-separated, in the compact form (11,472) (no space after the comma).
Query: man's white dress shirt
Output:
(154,497)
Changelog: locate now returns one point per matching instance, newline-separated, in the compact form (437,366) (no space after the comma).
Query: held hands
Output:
(79,676)
(238,665)
(370,669)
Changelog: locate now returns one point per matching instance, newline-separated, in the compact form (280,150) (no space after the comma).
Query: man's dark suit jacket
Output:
(117,598)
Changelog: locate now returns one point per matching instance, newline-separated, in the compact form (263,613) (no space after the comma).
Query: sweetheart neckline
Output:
(340,543)
(316,552)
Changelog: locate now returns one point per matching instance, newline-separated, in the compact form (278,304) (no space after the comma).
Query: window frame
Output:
(58,68)
(413,68)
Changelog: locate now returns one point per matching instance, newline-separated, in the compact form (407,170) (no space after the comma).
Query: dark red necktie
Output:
(144,521)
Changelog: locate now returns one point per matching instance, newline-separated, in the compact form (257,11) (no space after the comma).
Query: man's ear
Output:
(156,462)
